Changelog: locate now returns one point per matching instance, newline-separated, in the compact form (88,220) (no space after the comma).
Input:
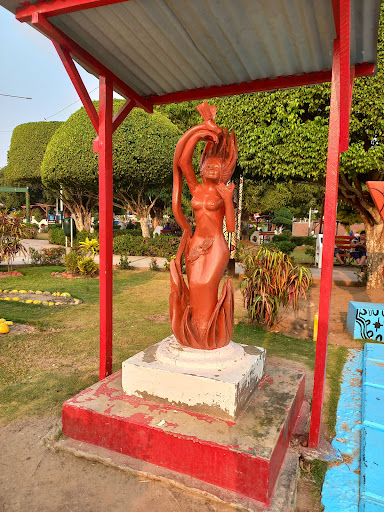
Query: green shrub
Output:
(299,241)
(50,256)
(87,266)
(285,246)
(81,236)
(272,282)
(125,264)
(70,260)
(162,246)
(56,236)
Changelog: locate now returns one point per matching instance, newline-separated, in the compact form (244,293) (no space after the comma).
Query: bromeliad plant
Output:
(271,284)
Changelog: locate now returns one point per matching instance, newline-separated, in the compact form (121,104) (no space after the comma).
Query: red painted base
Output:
(244,457)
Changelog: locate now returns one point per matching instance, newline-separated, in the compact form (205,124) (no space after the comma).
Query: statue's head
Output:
(218,160)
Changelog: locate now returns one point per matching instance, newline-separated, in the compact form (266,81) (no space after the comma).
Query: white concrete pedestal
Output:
(217,382)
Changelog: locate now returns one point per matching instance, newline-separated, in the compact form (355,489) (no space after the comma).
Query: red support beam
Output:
(105,224)
(122,114)
(345,65)
(339,112)
(86,58)
(116,122)
(78,83)
(281,82)
(57,7)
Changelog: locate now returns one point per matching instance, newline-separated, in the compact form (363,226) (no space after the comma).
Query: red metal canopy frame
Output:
(341,77)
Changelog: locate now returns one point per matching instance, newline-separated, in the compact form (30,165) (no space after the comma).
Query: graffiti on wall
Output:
(371,323)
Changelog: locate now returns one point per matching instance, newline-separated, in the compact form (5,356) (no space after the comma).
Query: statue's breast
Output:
(196,204)
(213,204)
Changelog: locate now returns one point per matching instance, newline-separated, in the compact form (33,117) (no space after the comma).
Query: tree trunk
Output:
(375,252)
(157,216)
(143,218)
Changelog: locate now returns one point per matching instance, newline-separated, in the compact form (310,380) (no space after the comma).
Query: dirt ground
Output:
(300,323)
(37,479)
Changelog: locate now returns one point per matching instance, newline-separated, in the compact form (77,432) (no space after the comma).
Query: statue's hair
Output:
(225,150)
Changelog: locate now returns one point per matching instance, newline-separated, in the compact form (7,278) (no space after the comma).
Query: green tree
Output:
(143,148)
(26,152)
(25,155)
(283,135)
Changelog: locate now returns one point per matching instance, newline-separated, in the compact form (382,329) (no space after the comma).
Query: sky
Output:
(30,66)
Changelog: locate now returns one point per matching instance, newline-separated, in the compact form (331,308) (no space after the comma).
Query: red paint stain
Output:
(264,379)
(108,411)
(140,418)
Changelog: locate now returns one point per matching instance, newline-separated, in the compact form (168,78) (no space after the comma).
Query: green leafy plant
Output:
(89,246)
(271,284)
(51,256)
(125,263)
(56,236)
(71,260)
(87,266)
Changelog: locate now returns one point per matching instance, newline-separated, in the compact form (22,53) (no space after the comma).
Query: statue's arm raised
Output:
(182,164)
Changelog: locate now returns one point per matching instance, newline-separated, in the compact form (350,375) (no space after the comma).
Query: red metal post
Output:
(337,141)
(78,84)
(105,224)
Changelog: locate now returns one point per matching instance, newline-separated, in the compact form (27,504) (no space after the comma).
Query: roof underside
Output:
(164,46)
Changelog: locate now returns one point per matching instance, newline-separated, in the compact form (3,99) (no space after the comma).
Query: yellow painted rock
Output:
(65,294)
(15,298)
(7,298)
(38,291)
(8,322)
(14,291)
(2,320)
(37,301)
(23,291)
(29,301)
(51,303)
(4,329)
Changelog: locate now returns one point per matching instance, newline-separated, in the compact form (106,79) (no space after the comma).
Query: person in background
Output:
(359,246)
(337,255)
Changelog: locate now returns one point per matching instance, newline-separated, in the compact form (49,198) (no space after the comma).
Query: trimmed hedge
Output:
(162,246)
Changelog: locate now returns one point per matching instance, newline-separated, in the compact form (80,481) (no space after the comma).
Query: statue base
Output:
(218,382)
(239,462)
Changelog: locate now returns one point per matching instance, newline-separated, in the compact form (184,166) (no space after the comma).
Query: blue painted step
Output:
(372,438)
(365,320)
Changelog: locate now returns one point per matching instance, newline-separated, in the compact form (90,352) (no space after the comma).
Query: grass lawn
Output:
(40,370)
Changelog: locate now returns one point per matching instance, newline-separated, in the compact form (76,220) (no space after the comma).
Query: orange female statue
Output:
(198,318)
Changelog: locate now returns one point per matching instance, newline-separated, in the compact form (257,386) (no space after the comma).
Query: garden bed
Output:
(39,297)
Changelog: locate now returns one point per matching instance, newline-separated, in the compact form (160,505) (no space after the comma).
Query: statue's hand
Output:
(225,191)
(208,135)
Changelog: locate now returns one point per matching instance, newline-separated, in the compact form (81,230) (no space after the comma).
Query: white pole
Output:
(71,232)
(309,221)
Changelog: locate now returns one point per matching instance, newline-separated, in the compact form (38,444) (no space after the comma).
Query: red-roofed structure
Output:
(163,51)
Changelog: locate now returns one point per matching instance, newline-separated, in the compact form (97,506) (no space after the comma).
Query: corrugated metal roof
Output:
(165,46)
